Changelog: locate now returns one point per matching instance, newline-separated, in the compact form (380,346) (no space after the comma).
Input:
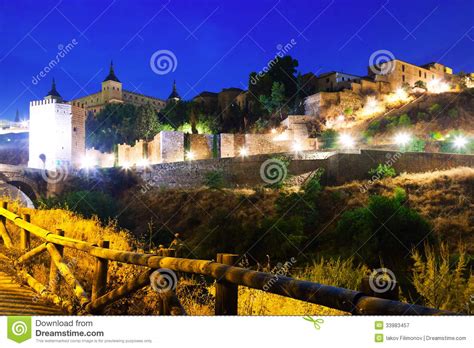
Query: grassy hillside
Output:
(213,221)
(433,113)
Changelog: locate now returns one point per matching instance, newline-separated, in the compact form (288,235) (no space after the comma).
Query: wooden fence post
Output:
(99,284)
(25,235)
(226,293)
(53,270)
(7,240)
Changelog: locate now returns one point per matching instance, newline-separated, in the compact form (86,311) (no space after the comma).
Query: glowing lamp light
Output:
(400,95)
(126,166)
(281,137)
(371,107)
(296,147)
(460,142)
(88,162)
(190,155)
(143,163)
(273,131)
(346,140)
(402,139)
(437,86)
(243,152)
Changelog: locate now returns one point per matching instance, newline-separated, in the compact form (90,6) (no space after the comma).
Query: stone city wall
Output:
(101,159)
(201,146)
(338,168)
(129,155)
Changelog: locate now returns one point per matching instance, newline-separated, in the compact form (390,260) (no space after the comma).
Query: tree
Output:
(114,124)
(175,113)
(282,70)
(275,102)
(147,123)
(420,84)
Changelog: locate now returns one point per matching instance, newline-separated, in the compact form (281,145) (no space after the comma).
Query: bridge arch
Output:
(26,187)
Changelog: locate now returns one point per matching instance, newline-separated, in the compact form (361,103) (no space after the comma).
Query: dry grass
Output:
(443,197)
(82,264)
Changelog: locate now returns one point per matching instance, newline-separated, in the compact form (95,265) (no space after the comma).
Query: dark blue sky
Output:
(216,43)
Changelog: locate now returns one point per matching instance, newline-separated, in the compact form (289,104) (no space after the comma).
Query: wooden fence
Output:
(228,277)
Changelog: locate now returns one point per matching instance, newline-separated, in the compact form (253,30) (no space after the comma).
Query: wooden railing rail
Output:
(228,277)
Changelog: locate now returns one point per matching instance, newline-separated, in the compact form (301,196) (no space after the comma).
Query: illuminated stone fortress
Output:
(57,133)
(113,92)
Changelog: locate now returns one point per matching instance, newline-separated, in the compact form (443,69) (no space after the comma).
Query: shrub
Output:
(85,203)
(420,84)
(416,145)
(383,171)
(434,108)
(348,111)
(453,113)
(328,137)
(440,282)
(404,121)
(373,128)
(335,272)
(383,230)
(214,179)
(436,135)
(400,195)
(422,116)
(392,122)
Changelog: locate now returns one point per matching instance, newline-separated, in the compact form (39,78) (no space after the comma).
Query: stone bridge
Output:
(34,183)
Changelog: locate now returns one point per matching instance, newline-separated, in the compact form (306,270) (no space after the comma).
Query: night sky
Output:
(216,43)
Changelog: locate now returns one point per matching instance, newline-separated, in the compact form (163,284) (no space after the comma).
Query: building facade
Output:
(56,134)
(112,92)
(397,73)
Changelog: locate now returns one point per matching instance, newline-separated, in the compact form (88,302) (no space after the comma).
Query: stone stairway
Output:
(18,300)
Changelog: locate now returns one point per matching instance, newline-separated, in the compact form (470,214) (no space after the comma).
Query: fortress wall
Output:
(201,145)
(101,159)
(154,150)
(172,146)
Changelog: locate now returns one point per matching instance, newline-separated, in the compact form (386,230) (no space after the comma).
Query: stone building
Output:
(335,81)
(57,133)
(339,91)
(397,72)
(113,92)
(221,102)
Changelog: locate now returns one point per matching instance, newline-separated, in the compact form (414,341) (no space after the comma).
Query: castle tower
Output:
(112,87)
(56,134)
(174,96)
(53,93)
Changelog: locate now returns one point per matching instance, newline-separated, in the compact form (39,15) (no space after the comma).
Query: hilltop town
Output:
(331,110)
